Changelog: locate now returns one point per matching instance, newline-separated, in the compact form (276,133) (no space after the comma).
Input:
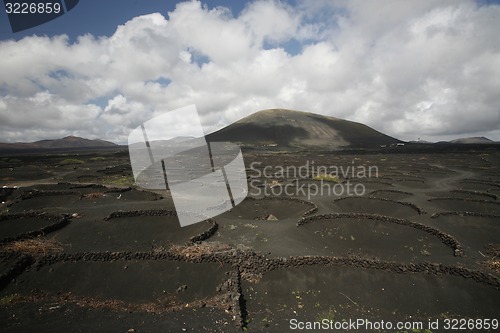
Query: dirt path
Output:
(446,184)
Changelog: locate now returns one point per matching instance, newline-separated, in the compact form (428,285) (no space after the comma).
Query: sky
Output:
(426,69)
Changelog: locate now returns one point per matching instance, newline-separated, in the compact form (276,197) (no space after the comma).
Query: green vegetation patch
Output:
(9,299)
(70,161)
(119,180)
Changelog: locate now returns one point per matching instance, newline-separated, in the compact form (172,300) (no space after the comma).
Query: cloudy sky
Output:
(426,69)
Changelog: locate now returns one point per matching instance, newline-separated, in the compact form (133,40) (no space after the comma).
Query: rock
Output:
(271,217)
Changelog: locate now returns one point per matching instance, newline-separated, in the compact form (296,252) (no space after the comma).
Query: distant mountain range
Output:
(280,128)
(67,142)
(288,128)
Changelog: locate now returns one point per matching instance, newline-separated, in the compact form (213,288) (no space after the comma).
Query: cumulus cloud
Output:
(428,70)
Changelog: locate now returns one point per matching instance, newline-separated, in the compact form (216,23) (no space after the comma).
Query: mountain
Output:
(477,139)
(420,141)
(67,142)
(288,128)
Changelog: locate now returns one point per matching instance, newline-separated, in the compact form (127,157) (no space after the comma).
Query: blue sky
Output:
(426,69)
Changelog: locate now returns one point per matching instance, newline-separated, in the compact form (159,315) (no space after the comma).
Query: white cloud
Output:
(430,69)
(213,33)
(271,21)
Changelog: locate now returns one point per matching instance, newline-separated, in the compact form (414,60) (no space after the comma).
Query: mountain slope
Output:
(299,129)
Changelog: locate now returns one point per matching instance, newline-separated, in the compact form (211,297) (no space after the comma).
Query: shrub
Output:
(36,247)
(327,177)
(69,161)
(119,180)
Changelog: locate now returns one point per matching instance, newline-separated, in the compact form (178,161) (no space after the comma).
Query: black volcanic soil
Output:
(83,249)
(351,293)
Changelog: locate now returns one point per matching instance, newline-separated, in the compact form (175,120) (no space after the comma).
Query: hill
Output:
(480,139)
(288,128)
(67,142)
